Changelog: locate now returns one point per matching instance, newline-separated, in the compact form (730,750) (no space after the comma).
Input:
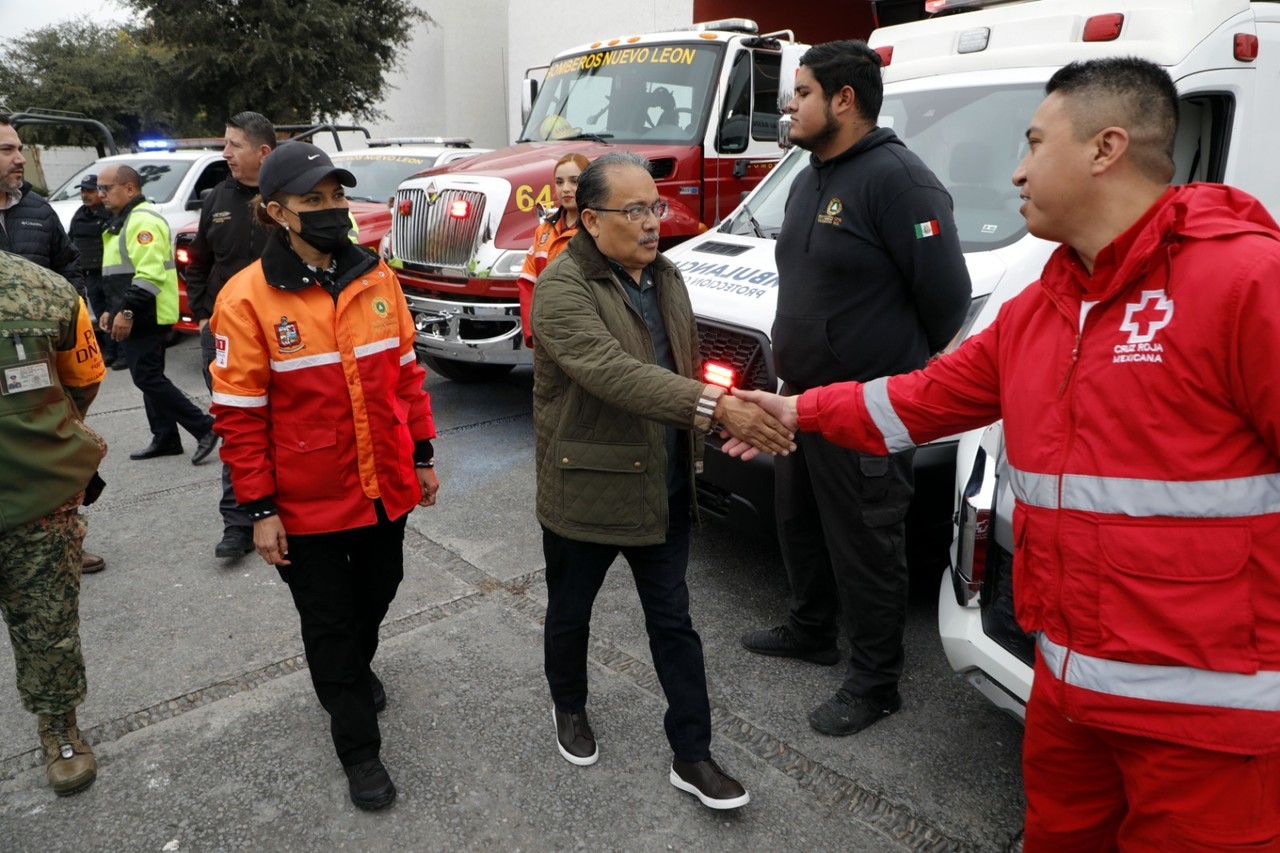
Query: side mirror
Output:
(528,94)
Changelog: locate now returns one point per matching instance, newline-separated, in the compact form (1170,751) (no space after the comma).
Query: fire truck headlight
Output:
(508,264)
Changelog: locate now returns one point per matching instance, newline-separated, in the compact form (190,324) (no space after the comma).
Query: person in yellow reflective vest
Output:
(141,284)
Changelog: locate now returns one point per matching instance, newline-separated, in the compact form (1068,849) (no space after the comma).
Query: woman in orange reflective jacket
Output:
(327,430)
(552,235)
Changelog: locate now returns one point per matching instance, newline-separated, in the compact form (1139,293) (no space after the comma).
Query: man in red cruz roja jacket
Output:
(1140,390)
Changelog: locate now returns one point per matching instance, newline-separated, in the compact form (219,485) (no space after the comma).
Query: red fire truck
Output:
(701,104)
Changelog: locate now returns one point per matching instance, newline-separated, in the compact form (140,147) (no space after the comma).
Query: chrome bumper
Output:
(487,332)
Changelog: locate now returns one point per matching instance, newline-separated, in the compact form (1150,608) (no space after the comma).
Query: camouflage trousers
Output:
(40,600)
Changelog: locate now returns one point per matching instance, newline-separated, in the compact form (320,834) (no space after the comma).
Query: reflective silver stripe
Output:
(1239,497)
(118,269)
(377,347)
(306,361)
(408,358)
(148,286)
(238,401)
(1182,685)
(876,395)
(126,263)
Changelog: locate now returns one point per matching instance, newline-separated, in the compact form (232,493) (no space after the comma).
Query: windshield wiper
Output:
(594,137)
(755,226)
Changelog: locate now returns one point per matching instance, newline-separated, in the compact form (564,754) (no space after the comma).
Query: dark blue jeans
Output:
(575,572)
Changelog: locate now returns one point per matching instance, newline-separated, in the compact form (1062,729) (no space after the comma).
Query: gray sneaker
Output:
(846,714)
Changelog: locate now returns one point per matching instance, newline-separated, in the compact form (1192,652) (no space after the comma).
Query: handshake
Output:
(754,422)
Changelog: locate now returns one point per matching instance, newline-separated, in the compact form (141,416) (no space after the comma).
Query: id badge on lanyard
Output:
(27,374)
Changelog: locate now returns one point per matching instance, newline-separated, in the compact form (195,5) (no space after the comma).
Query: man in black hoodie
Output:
(228,239)
(872,281)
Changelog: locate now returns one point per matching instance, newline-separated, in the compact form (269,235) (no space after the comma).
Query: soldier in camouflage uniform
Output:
(50,370)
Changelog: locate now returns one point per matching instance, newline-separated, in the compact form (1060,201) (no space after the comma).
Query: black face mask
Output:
(325,230)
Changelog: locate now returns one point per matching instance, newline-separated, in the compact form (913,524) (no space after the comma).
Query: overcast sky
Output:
(20,16)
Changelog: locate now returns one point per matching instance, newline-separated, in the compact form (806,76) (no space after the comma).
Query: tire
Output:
(466,371)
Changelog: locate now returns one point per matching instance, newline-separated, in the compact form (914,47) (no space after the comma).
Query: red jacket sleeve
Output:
(409,386)
(241,372)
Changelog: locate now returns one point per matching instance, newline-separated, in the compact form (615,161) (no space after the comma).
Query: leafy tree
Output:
(295,61)
(101,71)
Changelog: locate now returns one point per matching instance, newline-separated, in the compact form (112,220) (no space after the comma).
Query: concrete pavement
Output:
(209,737)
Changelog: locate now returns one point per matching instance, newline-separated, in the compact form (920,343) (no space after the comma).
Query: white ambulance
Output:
(960,88)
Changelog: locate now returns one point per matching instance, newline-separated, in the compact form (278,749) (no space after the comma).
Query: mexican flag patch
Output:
(927,229)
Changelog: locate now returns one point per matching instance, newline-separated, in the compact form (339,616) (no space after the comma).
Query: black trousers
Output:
(166,406)
(841,525)
(232,514)
(342,584)
(575,572)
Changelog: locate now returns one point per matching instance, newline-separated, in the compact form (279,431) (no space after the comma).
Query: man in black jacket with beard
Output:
(872,281)
(28,224)
(228,239)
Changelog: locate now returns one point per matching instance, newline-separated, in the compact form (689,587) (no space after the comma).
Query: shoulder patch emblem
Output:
(145,237)
(380,307)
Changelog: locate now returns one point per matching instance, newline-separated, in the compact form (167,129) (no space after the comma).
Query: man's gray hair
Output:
(593,183)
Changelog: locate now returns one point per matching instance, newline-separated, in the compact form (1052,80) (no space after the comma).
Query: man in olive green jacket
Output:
(620,421)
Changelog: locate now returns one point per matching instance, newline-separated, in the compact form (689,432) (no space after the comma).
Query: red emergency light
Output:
(886,55)
(1103,27)
(459,208)
(715,373)
(1246,47)
(182,256)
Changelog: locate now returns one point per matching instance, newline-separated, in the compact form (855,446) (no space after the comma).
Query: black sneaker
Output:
(236,542)
(574,738)
(780,642)
(371,785)
(846,714)
(379,692)
(706,781)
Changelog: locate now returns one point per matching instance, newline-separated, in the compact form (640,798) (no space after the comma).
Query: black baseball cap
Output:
(296,167)
(89,182)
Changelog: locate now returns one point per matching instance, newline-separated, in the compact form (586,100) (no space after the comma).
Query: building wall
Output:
(461,76)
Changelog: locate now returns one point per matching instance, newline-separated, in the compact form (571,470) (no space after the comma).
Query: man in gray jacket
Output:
(620,421)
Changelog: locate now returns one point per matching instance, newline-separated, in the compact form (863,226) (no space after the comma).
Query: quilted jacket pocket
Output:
(602,484)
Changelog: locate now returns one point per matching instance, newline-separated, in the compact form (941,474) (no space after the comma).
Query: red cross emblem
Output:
(1151,313)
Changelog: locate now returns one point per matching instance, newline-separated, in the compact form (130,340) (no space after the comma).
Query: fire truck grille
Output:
(431,233)
(746,352)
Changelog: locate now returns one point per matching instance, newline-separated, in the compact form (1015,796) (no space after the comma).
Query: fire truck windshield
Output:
(640,93)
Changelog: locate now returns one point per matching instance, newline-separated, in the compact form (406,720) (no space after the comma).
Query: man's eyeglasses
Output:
(637,212)
(102,188)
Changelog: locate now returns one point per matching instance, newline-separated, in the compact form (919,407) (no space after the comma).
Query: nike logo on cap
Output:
(313,156)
